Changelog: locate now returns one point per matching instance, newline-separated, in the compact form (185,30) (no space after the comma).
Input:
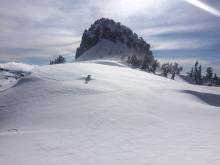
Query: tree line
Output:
(151,65)
(146,63)
(210,78)
(58,60)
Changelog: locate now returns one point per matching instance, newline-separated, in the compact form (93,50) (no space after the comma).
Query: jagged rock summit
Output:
(111,40)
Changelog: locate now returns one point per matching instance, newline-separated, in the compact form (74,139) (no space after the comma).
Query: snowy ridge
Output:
(122,116)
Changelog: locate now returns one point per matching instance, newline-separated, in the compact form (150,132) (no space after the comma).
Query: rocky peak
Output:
(113,31)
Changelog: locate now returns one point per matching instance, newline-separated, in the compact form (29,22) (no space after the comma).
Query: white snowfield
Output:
(122,116)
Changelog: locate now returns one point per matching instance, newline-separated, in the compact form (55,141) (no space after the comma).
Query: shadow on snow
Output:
(209,98)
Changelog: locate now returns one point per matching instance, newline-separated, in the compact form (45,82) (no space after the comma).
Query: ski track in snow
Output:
(122,117)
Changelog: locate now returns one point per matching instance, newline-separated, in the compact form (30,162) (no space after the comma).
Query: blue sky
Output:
(35,31)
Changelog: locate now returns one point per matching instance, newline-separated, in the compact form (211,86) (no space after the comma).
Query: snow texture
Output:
(122,116)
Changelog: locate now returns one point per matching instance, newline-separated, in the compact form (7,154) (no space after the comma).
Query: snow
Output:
(13,66)
(7,80)
(11,72)
(123,116)
(107,50)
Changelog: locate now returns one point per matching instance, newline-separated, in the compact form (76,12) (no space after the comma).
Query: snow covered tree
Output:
(145,63)
(155,65)
(165,69)
(209,74)
(216,80)
(171,69)
(134,61)
(199,75)
(215,77)
(173,75)
(129,60)
(58,60)
(191,73)
(177,69)
(196,72)
(208,79)
(180,69)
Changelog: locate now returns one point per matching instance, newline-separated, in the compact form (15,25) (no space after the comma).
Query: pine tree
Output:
(170,67)
(209,74)
(173,75)
(191,73)
(58,60)
(180,69)
(129,59)
(145,64)
(196,72)
(200,75)
(217,80)
(134,61)
(155,65)
(215,77)
(165,69)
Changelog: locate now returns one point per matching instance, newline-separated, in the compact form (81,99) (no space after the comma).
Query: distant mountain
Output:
(109,39)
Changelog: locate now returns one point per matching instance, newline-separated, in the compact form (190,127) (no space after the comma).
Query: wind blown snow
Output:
(122,116)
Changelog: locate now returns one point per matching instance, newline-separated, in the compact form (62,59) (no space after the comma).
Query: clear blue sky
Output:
(35,31)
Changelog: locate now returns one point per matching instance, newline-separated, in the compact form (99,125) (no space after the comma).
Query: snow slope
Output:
(107,50)
(122,116)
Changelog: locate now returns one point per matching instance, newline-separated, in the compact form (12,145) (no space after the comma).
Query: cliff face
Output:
(107,29)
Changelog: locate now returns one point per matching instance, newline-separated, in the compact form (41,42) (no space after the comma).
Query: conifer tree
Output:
(145,64)
(191,73)
(155,65)
(196,72)
(58,60)
(173,75)
(215,79)
(200,75)
(209,74)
